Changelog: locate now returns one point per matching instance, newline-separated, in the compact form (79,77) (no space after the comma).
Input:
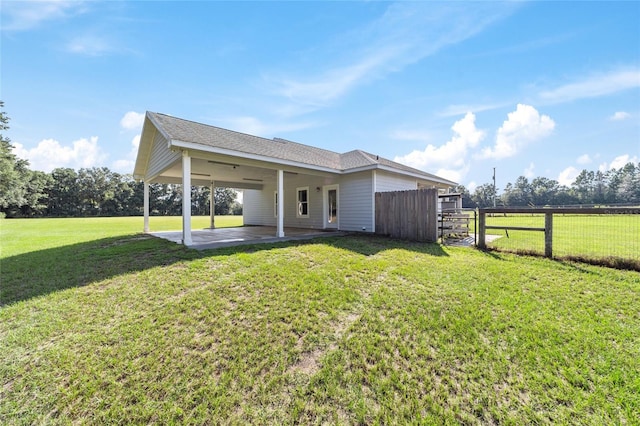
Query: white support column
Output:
(212,204)
(373,200)
(280,230)
(186,198)
(146,206)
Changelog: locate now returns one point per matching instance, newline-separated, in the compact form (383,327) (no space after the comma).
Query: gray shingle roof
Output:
(179,129)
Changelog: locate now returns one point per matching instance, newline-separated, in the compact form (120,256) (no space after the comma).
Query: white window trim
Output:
(298,209)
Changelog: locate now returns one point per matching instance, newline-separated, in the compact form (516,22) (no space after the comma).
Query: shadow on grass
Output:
(38,273)
(361,243)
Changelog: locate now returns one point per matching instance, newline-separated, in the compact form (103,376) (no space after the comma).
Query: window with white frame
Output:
(275,203)
(302,201)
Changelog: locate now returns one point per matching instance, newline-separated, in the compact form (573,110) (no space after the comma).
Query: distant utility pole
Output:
(494,187)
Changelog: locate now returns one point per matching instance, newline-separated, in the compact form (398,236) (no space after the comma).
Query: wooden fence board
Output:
(409,215)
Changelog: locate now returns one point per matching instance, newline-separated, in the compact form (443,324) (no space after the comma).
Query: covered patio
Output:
(325,190)
(176,151)
(203,239)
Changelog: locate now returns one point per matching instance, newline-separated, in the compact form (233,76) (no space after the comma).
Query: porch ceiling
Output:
(228,171)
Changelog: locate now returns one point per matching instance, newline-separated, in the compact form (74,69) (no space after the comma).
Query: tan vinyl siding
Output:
(356,202)
(161,156)
(386,182)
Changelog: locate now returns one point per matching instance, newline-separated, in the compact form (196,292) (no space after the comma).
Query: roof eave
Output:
(430,178)
(174,143)
(144,149)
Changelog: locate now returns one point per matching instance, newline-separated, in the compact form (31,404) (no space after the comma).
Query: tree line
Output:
(99,191)
(96,191)
(615,186)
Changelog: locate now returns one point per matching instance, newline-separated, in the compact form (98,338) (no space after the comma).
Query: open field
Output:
(19,235)
(589,236)
(100,324)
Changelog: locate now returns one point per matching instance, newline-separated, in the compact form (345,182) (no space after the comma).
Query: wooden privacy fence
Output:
(408,215)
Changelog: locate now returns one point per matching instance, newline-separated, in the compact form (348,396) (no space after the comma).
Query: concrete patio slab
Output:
(471,240)
(203,239)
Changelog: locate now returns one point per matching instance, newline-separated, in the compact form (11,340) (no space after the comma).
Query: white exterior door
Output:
(331,210)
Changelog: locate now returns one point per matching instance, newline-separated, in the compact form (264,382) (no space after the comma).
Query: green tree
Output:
(518,194)
(236,209)
(628,190)
(583,186)
(36,194)
(224,198)
(13,170)
(200,200)
(63,193)
(600,187)
(467,198)
(483,195)
(544,191)
(22,191)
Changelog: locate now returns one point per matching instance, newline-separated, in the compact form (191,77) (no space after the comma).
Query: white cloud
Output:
(619,116)
(25,15)
(618,162)
(334,82)
(257,127)
(529,171)
(50,154)
(406,33)
(132,120)
(523,125)
(455,175)
(568,175)
(584,159)
(450,157)
(594,86)
(126,165)
(91,45)
(472,186)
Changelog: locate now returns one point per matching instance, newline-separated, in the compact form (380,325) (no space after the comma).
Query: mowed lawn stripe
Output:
(356,329)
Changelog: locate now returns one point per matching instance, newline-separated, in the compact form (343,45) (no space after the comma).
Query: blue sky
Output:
(456,89)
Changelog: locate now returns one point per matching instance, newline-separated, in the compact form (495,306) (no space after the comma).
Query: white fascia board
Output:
(144,150)
(435,179)
(360,169)
(147,147)
(417,175)
(159,128)
(256,157)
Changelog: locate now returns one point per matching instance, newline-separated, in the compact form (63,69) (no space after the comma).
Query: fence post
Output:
(548,235)
(481,231)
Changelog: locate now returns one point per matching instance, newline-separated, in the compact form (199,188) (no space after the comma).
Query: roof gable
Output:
(181,130)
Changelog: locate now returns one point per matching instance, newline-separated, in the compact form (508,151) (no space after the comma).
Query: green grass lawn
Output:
(20,235)
(126,328)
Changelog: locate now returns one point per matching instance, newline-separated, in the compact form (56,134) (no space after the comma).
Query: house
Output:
(285,184)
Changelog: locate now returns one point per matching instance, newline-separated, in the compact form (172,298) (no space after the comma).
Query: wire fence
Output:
(608,236)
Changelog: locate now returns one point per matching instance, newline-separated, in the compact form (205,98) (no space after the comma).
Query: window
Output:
(275,203)
(302,199)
